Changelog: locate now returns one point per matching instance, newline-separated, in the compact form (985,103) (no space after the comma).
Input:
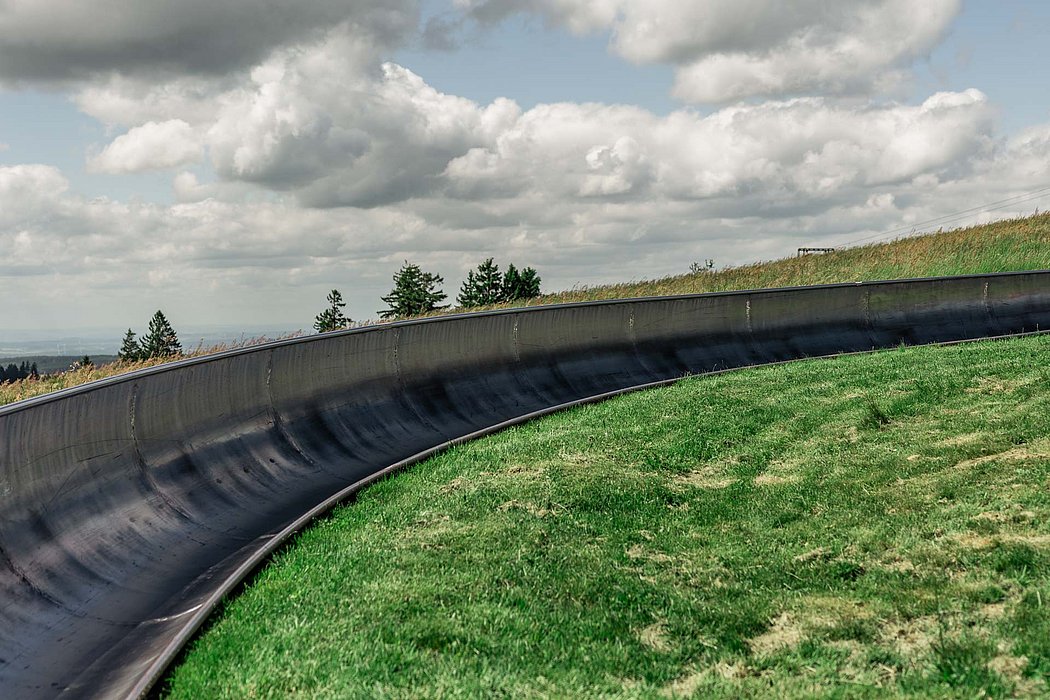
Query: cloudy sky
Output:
(230,164)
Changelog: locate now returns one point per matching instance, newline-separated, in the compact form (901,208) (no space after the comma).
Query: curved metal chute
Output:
(130,506)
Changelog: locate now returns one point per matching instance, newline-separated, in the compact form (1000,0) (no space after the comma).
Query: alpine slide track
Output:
(130,506)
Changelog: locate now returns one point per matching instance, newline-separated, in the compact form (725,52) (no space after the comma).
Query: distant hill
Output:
(49,364)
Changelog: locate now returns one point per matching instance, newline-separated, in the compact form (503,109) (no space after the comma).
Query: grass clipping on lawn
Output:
(867,526)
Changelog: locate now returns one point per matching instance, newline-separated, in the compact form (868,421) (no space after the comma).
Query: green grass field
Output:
(867,526)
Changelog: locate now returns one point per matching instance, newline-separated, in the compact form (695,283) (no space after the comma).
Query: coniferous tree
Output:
(332,318)
(85,361)
(530,284)
(160,340)
(130,350)
(482,287)
(415,292)
(12,373)
(33,372)
(511,281)
(466,294)
(520,285)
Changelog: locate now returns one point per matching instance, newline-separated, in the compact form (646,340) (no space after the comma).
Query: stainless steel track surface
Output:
(128,507)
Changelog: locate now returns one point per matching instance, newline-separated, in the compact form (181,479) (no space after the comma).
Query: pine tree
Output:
(415,292)
(520,285)
(160,340)
(33,372)
(530,284)
(466,290)
(332,318)
(511,283)
(85,361)
(482,287)
(130,350)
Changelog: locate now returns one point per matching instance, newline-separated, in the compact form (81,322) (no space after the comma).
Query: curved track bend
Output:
(129,506)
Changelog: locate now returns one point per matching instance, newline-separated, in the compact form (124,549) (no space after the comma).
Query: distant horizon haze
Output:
(87,341)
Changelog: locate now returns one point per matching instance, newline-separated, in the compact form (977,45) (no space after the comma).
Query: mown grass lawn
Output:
(868,526)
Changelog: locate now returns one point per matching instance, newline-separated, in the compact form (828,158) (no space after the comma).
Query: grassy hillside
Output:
(868,526)
(1017,244)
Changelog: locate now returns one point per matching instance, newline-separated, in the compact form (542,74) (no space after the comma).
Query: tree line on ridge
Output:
(418,292)
(415,292)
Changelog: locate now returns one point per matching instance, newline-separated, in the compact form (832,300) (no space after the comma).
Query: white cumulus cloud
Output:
(726,50)
(326,124)
(29,191)
(336,131)
(812,148)
(151,146)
